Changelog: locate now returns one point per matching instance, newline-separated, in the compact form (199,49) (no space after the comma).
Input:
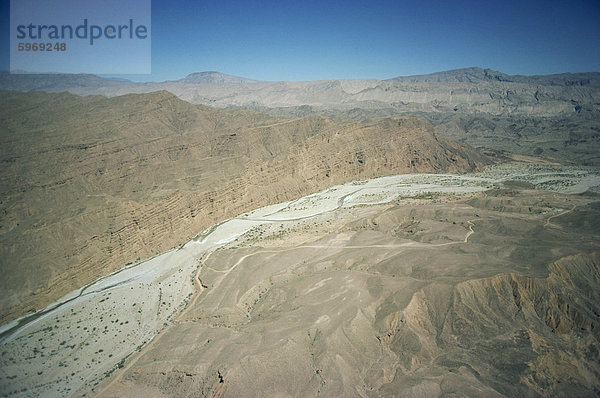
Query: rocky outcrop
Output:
(544,331)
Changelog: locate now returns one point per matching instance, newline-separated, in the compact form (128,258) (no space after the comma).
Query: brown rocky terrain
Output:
(441,292)
(90,184)
(487,295)
(565,139)
(556,117)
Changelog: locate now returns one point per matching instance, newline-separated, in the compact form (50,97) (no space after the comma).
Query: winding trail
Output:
(471,232)
(548,223)
(200,288)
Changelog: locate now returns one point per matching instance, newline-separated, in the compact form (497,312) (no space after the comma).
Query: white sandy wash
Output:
(84,337)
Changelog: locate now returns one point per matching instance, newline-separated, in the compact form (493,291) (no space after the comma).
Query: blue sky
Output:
(310,40)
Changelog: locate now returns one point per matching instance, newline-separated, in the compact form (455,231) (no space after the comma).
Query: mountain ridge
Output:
(92,183)
(465,91)
(477,74)
(212,77)
(460,75)
(556,117)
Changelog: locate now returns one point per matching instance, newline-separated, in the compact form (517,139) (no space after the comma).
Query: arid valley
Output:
(424,236)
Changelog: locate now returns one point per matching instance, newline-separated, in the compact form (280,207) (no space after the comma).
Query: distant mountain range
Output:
(478,75)
(214,78)
(471,90)
(553,116)
(464,75)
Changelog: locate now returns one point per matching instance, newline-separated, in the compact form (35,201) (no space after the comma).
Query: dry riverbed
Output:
(88,335)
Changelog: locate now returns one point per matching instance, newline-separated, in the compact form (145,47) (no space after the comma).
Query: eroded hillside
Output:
(90,184)
(493,294)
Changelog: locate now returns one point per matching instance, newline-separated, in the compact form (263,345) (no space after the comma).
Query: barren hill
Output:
(90,184)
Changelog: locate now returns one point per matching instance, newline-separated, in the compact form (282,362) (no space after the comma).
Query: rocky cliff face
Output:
(91,184)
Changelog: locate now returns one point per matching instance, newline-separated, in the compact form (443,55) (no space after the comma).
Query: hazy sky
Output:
(309,40)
